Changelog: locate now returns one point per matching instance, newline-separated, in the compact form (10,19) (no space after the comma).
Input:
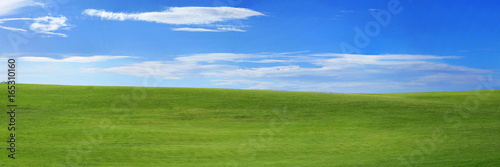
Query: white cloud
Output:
(270,61)
(300,71)
(89,70)
(180,15)
(276,71)
(239,57)
(73,59)
(195,29)
(330,86)
(165,70)
(16,19)
(393,61)
(47,25)
(9,7)
(212,57)
(12,29)
(335,65)
(183,16)
(207,30)
(262,85)
(445,77)
(223,29)
(43,25)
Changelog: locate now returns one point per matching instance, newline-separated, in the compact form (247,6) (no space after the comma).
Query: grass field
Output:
(134,126)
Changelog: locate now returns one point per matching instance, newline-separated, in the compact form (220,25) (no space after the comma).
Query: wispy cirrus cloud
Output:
(207,29)
(47,25)
(180,15)
(13,29)
(328,86)
(165,70)
(73,59)
(9,7)
(213,57)
(200,16)
(330,72)
(43,25)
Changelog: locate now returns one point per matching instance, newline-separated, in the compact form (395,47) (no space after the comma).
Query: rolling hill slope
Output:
(135,126)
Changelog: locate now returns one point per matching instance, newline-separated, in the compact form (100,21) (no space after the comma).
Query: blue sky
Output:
(344,46)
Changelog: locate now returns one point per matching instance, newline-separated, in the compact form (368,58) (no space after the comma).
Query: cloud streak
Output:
(188,29)
(73,59)
(180,15)
(9,7)
(43,25)
(330,72)
(183,16)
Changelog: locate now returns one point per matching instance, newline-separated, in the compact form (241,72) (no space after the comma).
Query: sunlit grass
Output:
(134,126)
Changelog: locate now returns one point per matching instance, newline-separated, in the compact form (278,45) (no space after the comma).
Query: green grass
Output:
(127,126)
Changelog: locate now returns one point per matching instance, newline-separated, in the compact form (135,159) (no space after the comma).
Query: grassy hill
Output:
(134,126)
